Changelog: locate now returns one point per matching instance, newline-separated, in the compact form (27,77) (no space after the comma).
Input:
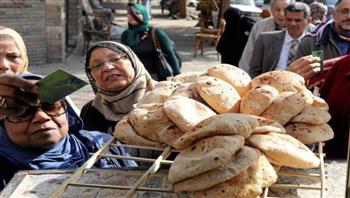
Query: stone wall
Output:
(28,18)
(44,26)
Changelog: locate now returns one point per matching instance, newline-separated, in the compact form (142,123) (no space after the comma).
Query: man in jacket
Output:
(276,50)
(333,39)
(273,23)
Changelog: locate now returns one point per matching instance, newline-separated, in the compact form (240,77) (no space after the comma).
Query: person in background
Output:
(273,23)
(119,80)
(336,92)
(318,13)
(50,136)
(148,5)
(333,38)
(235,34)
(276,50)
(17,92)
(138,37)
(265,13)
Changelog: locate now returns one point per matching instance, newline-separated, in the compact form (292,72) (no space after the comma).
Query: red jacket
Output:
(336,91)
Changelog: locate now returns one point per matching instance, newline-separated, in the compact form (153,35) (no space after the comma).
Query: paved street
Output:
(182,32)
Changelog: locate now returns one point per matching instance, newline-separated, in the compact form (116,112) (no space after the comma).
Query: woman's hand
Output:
(17,94)
(306,66)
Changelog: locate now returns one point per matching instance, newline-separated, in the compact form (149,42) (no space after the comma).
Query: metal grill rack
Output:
(131,190)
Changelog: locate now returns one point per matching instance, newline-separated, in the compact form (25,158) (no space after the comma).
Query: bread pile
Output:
(230,128)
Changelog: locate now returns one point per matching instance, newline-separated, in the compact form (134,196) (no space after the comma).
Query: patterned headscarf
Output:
(139,13)
(114,105)
(20,45)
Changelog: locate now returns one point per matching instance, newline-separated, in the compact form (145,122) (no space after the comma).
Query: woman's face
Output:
(36,128)
(131,19)
(111,70)
(11,60)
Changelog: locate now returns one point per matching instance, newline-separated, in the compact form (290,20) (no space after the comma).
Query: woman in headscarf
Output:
(119,79)
(14,60)
(235,36)
(138,37)
(50,137)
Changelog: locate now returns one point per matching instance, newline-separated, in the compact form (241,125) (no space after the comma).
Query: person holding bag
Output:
(139,38)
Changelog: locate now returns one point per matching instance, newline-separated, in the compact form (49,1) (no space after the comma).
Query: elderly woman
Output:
(49,137)
(138,37)
(14,60)
(120,81)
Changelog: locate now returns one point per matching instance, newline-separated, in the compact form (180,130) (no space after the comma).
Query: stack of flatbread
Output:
(230,128)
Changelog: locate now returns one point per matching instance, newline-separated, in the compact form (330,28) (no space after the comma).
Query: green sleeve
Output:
(168,48)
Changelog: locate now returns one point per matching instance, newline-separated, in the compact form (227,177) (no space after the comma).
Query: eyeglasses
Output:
(53,110)
(112,59)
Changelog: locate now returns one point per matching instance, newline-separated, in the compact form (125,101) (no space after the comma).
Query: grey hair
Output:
(272,2)
(299,7)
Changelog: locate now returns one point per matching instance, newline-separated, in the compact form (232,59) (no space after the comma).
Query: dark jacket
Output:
(94,120)
(336,92)
(235,36)
(146,51)
(324,40)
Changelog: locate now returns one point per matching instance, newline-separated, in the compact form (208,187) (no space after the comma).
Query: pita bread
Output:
(169,84)
(223,124)
(170,135)
(220,95)
(248,183)
(307,95)
(319,103)
(258,99)
(284,150)
(185,112)
(284,107)
(267,125)
(241,161)
(281,80)
(188,90)
(148,119)
(204,155)
(187,77)
(158,95)
(125,133)
(312,115)
(309,133)
(233,75)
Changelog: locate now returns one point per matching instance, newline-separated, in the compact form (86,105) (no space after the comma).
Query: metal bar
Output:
(307,175)
(88,164)
(121,187)
(155,166)
(143,147)
(136,158)
(292,186)
(322,175)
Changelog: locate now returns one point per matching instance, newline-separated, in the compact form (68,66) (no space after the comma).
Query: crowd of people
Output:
(35,135)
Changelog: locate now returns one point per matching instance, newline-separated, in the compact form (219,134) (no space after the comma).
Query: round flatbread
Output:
(267,125)
(241,161)
(187,77)
(233,75)
(257,100)
(312,115)
(206,154)
(157,95)
(222,124)
(125,133)
(281,80)
(285,150)
(284,107)
(220,95)
(186,113)
(310,133)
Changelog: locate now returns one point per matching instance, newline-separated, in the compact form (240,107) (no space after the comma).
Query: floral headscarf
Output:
(19,43)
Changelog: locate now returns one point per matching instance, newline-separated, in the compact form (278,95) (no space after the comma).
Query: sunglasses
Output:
(52,110)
